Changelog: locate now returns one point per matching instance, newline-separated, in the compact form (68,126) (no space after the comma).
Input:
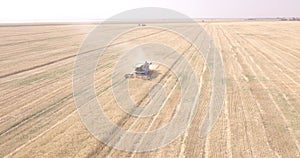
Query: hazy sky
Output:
(70,10)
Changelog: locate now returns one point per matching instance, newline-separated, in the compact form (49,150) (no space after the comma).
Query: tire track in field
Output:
(46,49)
(226,106)
(206,147)
(202,88)
(55,30)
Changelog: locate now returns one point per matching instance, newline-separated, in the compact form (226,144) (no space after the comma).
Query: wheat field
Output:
(260,116)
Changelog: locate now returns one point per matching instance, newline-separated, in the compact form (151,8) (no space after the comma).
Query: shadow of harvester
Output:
(153,74)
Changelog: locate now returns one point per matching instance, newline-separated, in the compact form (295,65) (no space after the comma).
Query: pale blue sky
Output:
(72,10)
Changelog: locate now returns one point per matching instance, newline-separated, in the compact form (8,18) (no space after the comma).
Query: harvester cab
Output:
(141,70)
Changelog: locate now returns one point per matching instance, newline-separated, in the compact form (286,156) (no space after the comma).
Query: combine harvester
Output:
(142,71)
